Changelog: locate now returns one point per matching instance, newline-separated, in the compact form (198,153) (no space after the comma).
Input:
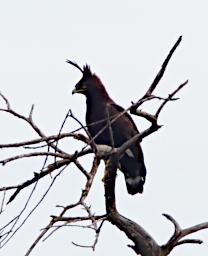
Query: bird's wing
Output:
(132,162)
(120,109)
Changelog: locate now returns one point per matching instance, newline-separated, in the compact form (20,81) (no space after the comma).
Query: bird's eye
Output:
(84,86)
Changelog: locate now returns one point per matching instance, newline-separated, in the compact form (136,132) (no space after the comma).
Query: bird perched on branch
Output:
(101,110)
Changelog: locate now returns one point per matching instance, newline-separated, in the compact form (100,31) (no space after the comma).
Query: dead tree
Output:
(48,146)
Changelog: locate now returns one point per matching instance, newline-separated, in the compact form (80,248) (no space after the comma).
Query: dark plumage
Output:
(100,107)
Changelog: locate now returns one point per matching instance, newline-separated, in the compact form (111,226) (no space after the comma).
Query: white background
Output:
(125,42)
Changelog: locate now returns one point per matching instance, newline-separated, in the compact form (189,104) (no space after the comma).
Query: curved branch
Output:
(34,154)
(38,176)
(49,139)
(163,68)
(157,78)
(48,170)
(28,120)
(144,244)
(80,202)
(180,233)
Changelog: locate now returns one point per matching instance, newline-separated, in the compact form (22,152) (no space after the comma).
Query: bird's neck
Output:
(97,101)
(96,108)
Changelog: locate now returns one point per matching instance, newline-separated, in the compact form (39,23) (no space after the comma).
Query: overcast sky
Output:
(125,43)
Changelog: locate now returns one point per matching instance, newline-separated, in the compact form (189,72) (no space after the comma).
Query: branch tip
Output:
(31,111)
(189,241)
(174,222)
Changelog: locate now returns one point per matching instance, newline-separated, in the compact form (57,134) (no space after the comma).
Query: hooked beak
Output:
(74,91)
(77,91)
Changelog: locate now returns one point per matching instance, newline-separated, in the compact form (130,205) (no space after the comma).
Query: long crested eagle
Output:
(100,109)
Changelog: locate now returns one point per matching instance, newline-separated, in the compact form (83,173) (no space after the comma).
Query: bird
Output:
(100,108)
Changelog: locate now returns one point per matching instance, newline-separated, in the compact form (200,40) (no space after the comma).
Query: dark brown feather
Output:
(100,109)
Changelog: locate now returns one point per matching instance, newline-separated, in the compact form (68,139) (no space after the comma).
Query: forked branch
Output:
(64,221)
(144,244)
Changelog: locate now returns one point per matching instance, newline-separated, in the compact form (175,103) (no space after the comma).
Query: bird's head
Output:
(89,84)
(84,84)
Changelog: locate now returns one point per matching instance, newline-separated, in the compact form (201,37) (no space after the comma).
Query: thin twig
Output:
(61,217)
(47,139)
(2,202)
(91,141)
(110,127)
(179,233)
(170,97)
(59,133)
(34,154)
(163,68)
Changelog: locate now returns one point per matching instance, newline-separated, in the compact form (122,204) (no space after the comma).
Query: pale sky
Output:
(125,43)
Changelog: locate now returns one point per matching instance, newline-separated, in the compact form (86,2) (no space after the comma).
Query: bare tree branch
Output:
(33,154)
(49,139)
(143,242)
(157,78)
(61,217)
(179,233)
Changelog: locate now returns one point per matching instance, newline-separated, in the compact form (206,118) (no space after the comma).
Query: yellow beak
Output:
(74,91)
(77,91)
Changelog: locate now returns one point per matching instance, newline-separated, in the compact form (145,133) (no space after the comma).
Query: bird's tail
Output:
(135,185)
(133,167)
(135,182)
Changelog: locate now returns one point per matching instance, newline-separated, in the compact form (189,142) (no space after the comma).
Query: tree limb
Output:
(143,243)
(48,139)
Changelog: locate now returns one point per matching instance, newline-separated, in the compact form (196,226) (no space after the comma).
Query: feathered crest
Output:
(75,65)
(85,71)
